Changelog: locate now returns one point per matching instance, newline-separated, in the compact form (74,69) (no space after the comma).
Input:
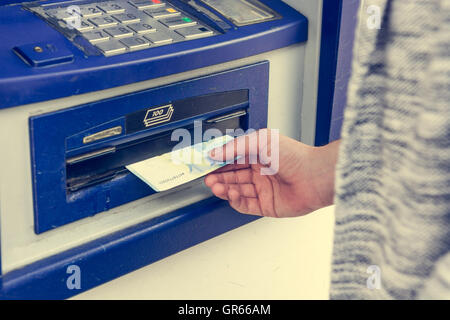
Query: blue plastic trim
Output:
(0,252)
(21,84)
(112,256)
(349,20)
(10,2)
(50,55)
(331,21)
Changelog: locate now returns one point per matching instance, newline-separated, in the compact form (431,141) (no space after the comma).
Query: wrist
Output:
(324,160)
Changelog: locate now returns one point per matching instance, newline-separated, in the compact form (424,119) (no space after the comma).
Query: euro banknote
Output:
(179,166)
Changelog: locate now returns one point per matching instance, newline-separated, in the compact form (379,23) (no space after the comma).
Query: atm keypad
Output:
(120,26)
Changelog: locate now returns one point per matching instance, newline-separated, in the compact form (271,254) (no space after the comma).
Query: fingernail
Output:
(216,154)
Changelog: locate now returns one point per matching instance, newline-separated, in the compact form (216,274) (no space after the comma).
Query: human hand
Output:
(303,182)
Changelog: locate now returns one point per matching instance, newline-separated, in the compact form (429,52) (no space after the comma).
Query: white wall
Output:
(266,259)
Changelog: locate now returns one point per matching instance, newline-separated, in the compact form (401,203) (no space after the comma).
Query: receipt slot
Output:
(89,87)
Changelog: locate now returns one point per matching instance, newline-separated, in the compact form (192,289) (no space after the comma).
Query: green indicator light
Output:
(187,19)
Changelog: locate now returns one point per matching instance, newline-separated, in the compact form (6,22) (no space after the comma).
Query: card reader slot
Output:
(106,164)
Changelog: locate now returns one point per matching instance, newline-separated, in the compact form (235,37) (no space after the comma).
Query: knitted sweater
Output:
(392,230)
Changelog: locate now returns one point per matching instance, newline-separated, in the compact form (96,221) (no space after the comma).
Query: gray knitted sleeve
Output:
(392,231)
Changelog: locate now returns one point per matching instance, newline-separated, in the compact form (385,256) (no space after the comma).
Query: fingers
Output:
(222,190)
(237,188)
(247,146)
(232,167)
(243,204)
(232,176)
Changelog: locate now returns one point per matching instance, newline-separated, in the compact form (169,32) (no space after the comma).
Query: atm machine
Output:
(90,86)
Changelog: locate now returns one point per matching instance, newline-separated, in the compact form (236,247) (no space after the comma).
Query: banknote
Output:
(179,166)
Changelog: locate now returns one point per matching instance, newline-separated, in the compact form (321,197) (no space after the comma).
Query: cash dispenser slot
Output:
(107,163)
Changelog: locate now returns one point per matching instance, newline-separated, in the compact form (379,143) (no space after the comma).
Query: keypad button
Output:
(147,4)
(161,13)
(194,32)
(62,13)
(181,22)
(159,38)
(127,18)
(111,7)
(119,32)
(103,22)
(84,26)
(111,47)
(142,28)
(89,11)
(96,36)
(135,43)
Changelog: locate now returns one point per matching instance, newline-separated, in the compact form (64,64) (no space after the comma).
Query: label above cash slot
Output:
(202,106)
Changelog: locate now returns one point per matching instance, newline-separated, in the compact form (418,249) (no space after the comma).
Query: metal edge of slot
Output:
(90,155)
(90,182)
(227,116)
